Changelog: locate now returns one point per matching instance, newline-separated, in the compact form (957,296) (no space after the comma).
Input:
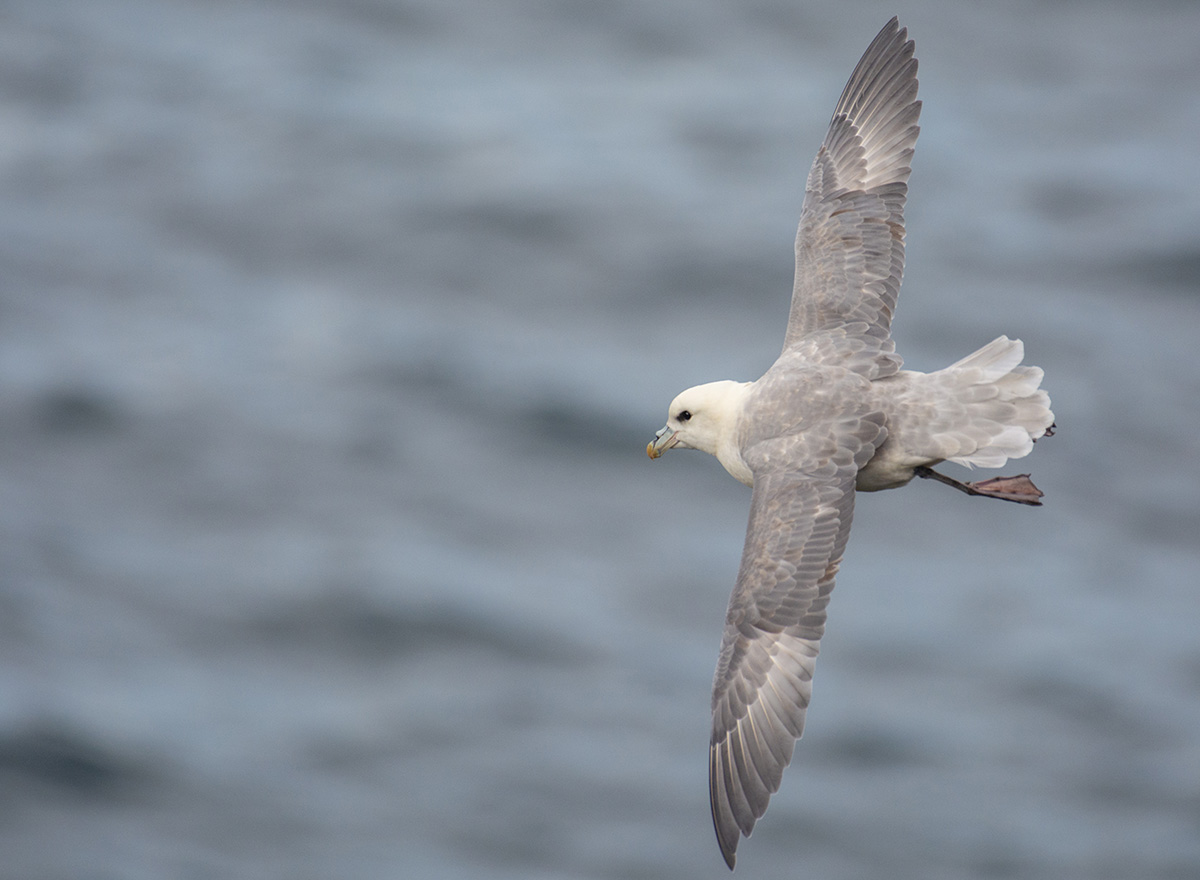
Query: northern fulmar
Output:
(835,414)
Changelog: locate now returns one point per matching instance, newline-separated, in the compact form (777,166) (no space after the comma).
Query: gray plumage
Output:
(833,415)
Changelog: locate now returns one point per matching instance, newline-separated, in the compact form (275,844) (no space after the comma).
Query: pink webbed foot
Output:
(1019,489)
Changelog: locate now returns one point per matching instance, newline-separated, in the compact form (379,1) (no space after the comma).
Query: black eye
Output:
(684,416)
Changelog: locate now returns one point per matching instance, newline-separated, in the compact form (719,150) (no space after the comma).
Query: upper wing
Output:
(850,244)
(799,524)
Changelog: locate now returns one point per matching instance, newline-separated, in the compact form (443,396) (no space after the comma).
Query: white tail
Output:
(996,409)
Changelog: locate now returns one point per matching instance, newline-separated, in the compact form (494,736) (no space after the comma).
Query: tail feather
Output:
(1002,409)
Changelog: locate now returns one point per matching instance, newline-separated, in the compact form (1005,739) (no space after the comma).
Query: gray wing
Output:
(799,523)
(850,244)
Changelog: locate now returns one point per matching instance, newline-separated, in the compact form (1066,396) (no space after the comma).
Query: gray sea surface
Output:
(331,336)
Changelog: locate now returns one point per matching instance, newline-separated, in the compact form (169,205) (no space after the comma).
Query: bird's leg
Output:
(1019,488)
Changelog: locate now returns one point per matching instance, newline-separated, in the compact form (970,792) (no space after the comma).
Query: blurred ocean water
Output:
(331,336)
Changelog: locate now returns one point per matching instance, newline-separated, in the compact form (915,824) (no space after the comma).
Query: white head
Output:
(704,417)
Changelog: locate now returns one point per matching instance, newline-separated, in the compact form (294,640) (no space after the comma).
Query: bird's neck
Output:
(731,399)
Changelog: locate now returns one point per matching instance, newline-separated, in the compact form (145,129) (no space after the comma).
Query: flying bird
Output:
(836,414)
